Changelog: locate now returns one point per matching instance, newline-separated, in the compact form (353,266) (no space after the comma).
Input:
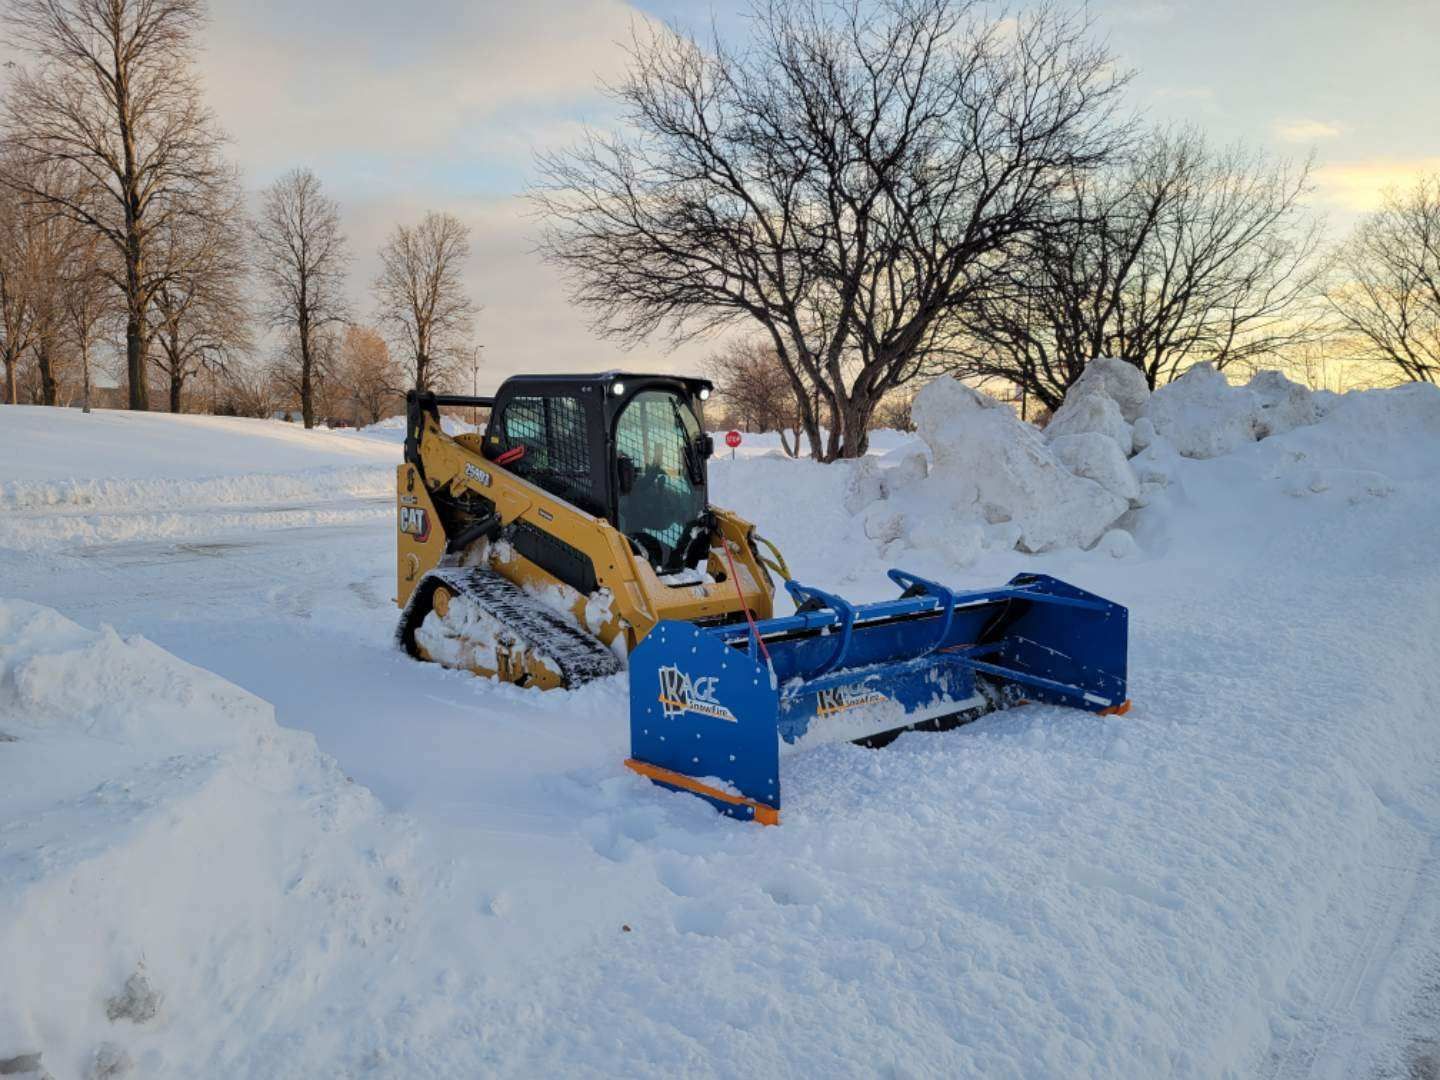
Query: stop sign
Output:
(732,439)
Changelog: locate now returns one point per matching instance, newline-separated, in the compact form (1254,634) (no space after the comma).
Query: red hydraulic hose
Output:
(743,605)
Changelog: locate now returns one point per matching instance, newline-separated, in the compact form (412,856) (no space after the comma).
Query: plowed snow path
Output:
(1207,887)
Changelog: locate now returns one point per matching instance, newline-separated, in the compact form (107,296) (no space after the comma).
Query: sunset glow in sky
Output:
(402,108)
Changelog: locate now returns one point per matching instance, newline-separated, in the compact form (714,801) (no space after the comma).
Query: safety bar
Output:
(909,581)
(842,608)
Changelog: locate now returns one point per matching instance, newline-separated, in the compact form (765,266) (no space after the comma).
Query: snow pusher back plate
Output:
(713,708)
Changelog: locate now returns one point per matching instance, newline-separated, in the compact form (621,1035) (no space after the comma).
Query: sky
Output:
(402,108)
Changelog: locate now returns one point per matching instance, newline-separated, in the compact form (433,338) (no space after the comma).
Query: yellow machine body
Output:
(638,598)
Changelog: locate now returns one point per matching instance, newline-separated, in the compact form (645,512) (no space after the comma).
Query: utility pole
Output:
(475,352)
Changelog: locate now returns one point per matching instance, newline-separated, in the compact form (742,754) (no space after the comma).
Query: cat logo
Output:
(679,693)
(415,521)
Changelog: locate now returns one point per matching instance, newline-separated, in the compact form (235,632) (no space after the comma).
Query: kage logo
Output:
(853,696)
(680,693)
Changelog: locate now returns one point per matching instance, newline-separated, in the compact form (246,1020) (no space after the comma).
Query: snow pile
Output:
(990,467)
(994,483)
(57,676)
(161,827)
(1204,415)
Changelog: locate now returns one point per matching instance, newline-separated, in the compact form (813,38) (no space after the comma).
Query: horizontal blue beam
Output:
(1037,681)
(890,609)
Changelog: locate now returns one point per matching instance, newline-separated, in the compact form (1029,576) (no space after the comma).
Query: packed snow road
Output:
(1236,879)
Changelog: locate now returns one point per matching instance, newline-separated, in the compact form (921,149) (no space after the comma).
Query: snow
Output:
(1089,410)
(989,466)
(1205,416)
(1118,380)
(396,870)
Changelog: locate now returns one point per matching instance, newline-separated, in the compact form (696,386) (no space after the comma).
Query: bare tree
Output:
(1178,254)
(754,385)
(895,413)
(420,295)
(247,389)
(1388,293)
(111,95)
(17,321)
(198,314)
(303,259)
(88,302)
(370,378)
(50,241)
(287,372)
(846,184)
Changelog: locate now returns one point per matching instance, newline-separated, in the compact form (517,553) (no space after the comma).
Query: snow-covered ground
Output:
(392,870)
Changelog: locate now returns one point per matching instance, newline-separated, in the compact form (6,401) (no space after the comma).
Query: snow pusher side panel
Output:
(712,709)
(702,719)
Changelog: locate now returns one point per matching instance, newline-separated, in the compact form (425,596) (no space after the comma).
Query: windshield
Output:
(658,437)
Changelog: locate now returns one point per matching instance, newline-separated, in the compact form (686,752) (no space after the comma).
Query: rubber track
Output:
(580,656)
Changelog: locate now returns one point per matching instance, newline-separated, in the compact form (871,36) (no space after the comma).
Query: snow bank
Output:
(60,677)
(985,481)
(1205,416)
(67,445)
(115,476)
(160,829)
(990,466)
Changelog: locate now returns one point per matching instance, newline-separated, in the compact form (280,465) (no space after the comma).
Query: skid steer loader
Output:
(575,537)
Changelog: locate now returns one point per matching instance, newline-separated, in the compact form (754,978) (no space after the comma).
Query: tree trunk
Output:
(307,384)
(177,383)
(85,372)
(135,358)
(11,387)
(47,373)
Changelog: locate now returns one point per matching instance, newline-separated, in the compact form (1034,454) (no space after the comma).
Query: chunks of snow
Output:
(1142,434)
(1202,414)
(1205,416)
(864,485)
(1281,405)
(1097,457)
(1088,410)
(994,467)
(1118,544)
(1119,380)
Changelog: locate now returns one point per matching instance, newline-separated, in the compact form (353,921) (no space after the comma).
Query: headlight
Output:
(617,388)
(704,393)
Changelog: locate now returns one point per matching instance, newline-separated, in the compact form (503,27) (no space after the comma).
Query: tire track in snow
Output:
(1340,1041)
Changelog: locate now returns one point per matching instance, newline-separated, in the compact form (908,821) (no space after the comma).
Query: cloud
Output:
(1305,131)
(1360,186)
(400,109)
(526,323)
(333,80)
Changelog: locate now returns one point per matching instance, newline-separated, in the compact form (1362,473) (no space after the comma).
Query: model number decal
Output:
(480,476)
